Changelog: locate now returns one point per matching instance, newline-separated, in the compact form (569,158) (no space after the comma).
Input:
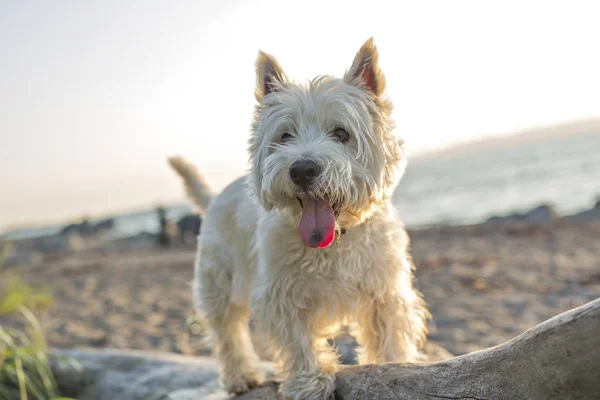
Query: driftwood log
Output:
(557,359)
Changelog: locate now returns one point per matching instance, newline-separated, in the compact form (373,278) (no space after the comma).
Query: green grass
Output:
(16,294)
(25,372)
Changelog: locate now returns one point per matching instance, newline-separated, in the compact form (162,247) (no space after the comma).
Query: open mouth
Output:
(317,224)
(336,207)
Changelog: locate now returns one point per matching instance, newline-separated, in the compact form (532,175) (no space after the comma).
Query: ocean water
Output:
(461,188)
(125,225)
(467,188)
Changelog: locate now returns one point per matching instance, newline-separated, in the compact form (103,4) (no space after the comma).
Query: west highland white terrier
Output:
(309,241)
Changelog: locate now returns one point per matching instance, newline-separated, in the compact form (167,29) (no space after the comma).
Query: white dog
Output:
(309,238)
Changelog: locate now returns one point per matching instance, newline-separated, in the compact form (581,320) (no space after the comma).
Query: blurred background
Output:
(95,95)
(498,102)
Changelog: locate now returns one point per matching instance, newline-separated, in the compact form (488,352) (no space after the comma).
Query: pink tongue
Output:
(317,225)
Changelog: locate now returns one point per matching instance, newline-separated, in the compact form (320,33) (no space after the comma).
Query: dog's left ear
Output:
(269,75)
(365,72)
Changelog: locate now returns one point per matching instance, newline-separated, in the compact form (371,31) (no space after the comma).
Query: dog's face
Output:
(324,153)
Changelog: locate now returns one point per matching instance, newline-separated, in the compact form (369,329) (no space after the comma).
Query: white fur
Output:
(195,185)
(250,251)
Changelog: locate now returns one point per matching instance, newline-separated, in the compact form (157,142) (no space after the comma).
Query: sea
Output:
(457,187)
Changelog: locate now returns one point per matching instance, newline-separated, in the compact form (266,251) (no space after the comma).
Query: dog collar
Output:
(339,233)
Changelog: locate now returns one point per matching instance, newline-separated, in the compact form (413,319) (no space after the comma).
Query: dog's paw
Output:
(241,383)
(308,386)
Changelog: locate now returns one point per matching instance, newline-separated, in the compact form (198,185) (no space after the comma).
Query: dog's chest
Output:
(339,263)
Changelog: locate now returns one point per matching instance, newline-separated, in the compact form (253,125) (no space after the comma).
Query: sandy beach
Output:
(484,284)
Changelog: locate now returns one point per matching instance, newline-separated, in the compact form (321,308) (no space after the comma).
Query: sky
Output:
(95,95)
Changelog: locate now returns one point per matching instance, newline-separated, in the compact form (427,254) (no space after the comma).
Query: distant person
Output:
(163,234)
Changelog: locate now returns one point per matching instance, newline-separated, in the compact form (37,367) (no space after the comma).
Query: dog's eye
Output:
(341,135)
(285,137)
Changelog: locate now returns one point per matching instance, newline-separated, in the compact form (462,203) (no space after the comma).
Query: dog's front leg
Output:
(391,328)
(306,359)
(309,362)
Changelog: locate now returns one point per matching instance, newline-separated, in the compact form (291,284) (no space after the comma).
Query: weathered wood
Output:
(558,359)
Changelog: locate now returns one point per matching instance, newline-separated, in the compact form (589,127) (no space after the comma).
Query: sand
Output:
(484,284)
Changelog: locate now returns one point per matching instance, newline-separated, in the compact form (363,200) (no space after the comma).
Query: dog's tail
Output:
(195,185)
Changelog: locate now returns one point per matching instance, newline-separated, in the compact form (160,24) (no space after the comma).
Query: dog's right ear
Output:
(365,71)
(269,75)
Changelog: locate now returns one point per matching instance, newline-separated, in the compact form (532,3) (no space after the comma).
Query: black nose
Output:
(304,172)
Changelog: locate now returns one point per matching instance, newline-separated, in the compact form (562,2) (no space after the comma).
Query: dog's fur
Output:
(250,251)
